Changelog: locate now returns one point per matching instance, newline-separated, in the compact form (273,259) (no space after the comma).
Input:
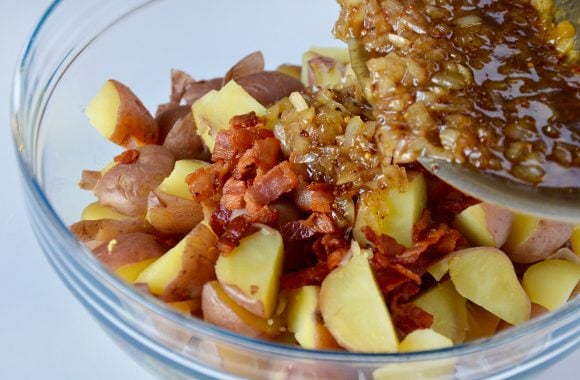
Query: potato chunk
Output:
(485,224)
(218,308)
(448,308)
(419,340)
(175,183)
(250,274)
(353,307)
(304,319)
(130,254)
(550,283)
(213,111)
(181,272)
(532,239)
(486,276)
(96,211)
(121,117)
(482,323)
(392,212)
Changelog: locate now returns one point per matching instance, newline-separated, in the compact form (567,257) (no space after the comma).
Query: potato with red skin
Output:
(182,271)
(267,87)
(532,239)
(121,117)
(485,224)
(250,64)
(129,254)
(168,117)
(222,311)
(172,215)
(183,141)
(126,187)
(104,230)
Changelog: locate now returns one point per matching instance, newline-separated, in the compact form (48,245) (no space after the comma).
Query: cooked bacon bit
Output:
(235,230)
(445,201)
(324,246)
(219,218)
(233,194)
(266,215)
(89,179)
(408,317)
(336,257)
(277,181)
(201,184)
(249,120)
(263,155)
(317,223)
(296,231)
(389,280)
(384,244)
(230,143)
(127,157)
(309,276)
(316,196)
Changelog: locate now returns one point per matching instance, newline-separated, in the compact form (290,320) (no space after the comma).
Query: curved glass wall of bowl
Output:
(63,66)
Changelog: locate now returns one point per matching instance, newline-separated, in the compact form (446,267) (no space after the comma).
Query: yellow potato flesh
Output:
(212,113)
(575,240)
(130,272)
(164,270)
(551,282)
(448,308)
(96,211)
(486,276)
(184,307)
(419,340)
(175,184)
(303,318)
(440,268)
(472,223)
(354,310)
(523,227)
(424,339)
(392,212)
(103,108)
(254,268)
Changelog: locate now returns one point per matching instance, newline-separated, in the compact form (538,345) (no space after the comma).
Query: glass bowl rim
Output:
(99,272)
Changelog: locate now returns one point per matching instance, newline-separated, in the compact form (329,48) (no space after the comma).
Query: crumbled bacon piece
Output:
(336,257)
(219,218)
(266,215)
(408,317)
(270,186)
(229,143)
(316,196)
(233,194)
(127,157)
(249,120)
(262,156)
(309,276)
(316,223)
(201,184)
(235,230)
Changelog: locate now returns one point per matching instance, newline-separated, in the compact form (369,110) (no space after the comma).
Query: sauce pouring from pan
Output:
(549,97)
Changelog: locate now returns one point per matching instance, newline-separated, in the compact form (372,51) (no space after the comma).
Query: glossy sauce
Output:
(499,95)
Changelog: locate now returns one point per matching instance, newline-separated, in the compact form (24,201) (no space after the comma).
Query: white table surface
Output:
(44,331)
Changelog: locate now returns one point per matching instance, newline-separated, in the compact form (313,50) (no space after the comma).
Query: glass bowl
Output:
(75,47)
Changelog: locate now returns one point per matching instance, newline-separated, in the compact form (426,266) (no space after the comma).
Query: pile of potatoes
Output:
(147,228)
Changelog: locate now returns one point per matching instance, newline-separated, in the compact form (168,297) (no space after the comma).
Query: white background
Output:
(44,332)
